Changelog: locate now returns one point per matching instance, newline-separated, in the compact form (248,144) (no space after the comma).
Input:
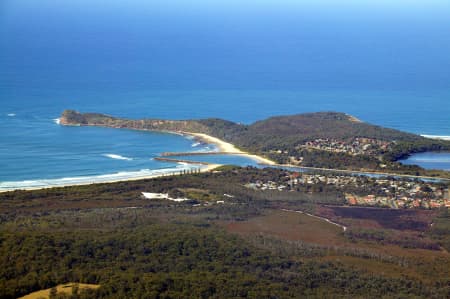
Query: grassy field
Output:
(66,288)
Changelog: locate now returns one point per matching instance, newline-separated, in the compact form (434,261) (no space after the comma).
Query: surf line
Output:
(344,228)
(437,137)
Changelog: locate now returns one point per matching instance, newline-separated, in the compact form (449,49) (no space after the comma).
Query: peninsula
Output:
(239,232)
(326,140)
(199,129)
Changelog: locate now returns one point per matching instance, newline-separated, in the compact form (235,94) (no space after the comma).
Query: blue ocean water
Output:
(385,63)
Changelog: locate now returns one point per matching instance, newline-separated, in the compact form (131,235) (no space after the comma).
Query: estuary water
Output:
(430,160)
(239,62)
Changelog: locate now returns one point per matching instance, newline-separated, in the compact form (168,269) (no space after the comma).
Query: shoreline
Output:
(228,148)
(203,169)
(222,146)
(436,137)
(367,172)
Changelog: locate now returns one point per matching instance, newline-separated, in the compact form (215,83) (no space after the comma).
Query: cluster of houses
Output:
(397,202)
(404,194)
(295,179)
(356,146)
(358,190)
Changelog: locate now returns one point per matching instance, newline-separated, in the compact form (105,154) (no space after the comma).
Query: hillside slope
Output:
(339,140)
(298,127)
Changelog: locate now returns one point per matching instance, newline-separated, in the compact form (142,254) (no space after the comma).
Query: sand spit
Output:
(228,148)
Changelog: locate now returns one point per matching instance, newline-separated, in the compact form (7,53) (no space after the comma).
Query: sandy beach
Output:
(204,168)
(224,147)
(228,148)
(221,145)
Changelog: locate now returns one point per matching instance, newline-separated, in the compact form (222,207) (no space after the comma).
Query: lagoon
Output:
(430,160)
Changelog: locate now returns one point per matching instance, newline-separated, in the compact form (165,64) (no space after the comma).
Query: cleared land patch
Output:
(291,226)
(66,288)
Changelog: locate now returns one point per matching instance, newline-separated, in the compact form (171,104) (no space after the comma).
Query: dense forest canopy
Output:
(229,241)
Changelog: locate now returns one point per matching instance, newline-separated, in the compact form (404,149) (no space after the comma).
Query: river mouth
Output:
(429,160)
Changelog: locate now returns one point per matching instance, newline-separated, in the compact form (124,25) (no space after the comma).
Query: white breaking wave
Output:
(196,144)
(207,149)
(11,114)
(57,121)
(440,137)
(85,180)
(117,157)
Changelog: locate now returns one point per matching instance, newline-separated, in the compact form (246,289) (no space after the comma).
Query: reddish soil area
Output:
(290,226)
(413,220)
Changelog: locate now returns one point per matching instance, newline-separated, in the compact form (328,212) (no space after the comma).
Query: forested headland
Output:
(324,139)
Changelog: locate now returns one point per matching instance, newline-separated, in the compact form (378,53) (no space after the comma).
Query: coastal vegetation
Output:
(229,241)
(241,232)
(324,139)
(118,208)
